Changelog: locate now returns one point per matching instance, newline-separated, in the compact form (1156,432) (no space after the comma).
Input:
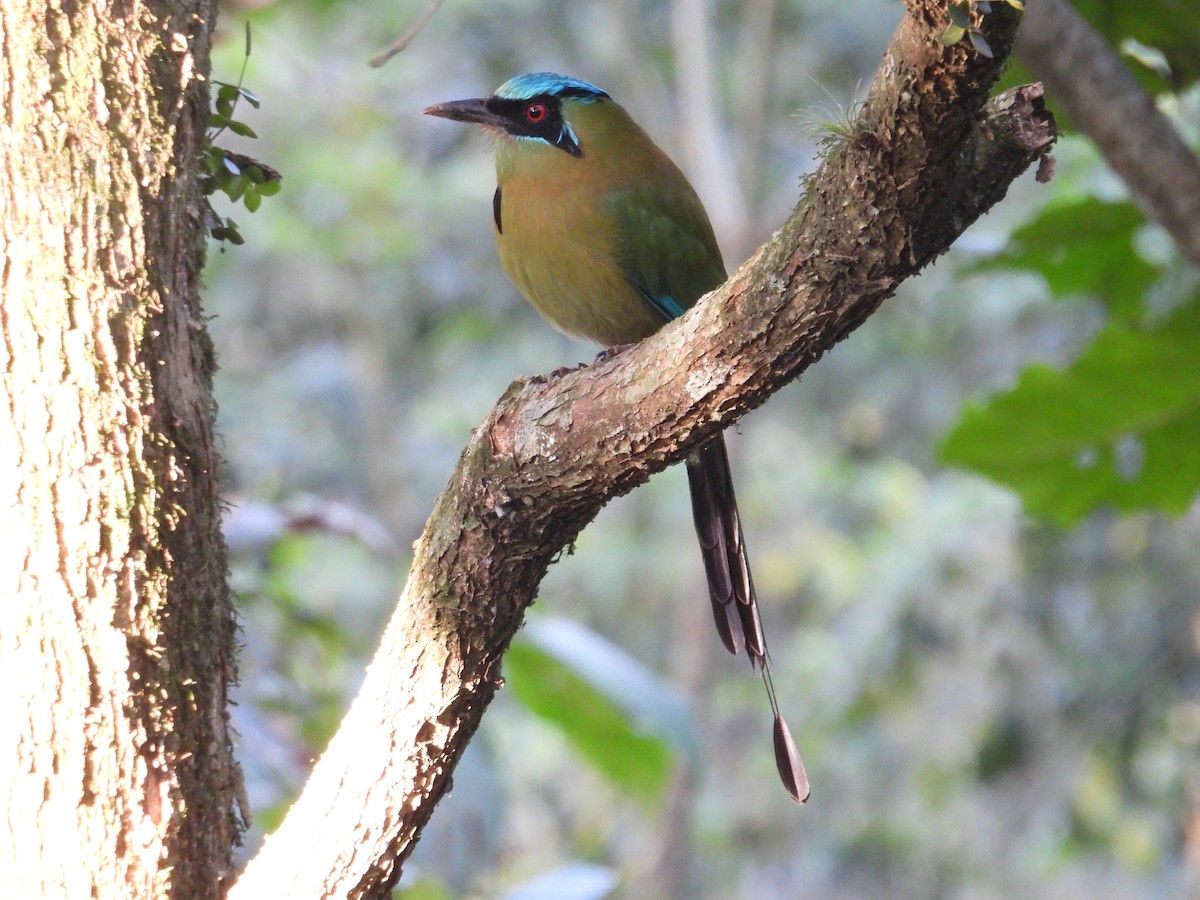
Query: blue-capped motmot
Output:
(603,234)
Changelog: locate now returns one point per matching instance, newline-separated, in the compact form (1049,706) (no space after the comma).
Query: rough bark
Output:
(925,159)
(116,630)
(1103,100)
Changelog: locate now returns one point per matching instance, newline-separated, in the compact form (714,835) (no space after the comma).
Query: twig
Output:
(405,39)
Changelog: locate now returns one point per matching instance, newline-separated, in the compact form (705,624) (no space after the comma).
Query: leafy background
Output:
(973,525)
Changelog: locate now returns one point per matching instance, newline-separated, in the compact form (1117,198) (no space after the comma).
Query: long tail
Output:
(731,590)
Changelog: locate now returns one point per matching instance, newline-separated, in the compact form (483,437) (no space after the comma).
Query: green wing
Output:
(666,246)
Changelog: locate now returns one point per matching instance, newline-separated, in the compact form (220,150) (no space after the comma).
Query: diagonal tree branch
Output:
(1104,101)
(928,155)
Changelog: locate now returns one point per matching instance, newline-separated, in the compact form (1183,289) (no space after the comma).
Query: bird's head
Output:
(537,106)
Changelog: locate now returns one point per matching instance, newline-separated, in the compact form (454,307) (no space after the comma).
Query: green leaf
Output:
(252,199)
(227,231)
(1086,247)
(951,35)
(235,187)
(242,128)
(960,14)
(620,717)
(212,160)
(269,188)
(1119,427)
(979,42)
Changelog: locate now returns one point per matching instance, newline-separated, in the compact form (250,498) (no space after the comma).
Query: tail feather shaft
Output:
(731,589)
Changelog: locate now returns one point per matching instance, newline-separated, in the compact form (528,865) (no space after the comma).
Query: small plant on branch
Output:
(238,176)
(963,25)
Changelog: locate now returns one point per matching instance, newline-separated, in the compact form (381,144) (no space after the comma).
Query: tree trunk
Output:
(117,633)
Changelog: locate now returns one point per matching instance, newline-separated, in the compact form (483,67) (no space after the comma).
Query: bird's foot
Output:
(603,356)
(564,370)
(610,352)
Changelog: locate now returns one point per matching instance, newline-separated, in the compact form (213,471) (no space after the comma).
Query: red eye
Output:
(535,112)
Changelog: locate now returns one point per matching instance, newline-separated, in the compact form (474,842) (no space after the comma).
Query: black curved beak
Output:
(473,111)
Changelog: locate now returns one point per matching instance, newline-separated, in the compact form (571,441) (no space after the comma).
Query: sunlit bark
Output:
(116,633)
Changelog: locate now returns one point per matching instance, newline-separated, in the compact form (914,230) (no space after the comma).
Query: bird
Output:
(606,238)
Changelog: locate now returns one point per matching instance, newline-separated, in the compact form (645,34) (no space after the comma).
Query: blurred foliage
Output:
(617,715)
(1169,29)
(599,730)
(1086,247)
(1118,426)
(987,705)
